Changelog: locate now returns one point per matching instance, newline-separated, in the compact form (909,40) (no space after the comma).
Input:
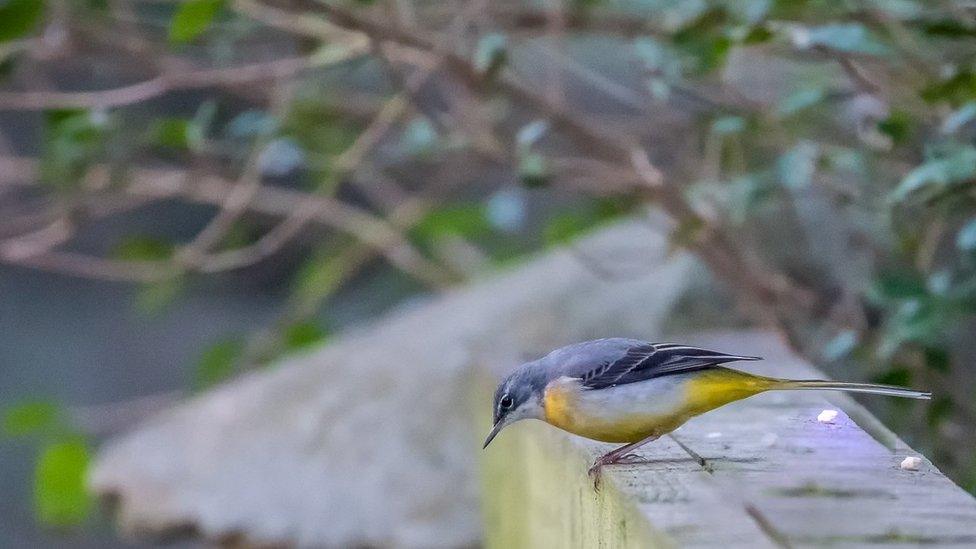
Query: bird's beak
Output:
(494,431)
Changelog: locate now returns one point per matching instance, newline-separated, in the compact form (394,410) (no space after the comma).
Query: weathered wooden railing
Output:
(763,472)
(370,441)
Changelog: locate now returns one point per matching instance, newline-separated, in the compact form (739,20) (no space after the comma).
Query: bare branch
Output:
(776,296)
(160,85)
(37,242)
(278,202)
(392,110)
(236,202)
(86,266)
(266,246)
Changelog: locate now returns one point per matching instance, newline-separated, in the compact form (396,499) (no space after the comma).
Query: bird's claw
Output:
(595,473)
(629,459)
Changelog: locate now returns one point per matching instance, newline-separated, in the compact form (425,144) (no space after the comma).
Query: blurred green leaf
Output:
(938,283)
(192,19)
(156,296)
(758,34)
(728,125)
(530,133)
(966,237)
(743,196)
(242,233)
(281,157)
(60,497)
(506,210)
(323,132)
(897,375)
(797,166)
(72,141)
(957,89)
(419,136)
(218,362)
(585,5)
(849,161)
(300,335)
(892,285)
(751,11)
(923,321)
(846,37)
(566,226)
(318,277)
(175,133)
(705,39)
(533,170)
(936,175)
(19,17)
(686,232)
(938,410)
(937,359)
(490,55)
(800,100)
(959,118)
(897,126)
(8,63)
(898,9)
(143,248)
(841,345)
(950,28)
(465,220)
(31,418)
(250,124)
(658,58)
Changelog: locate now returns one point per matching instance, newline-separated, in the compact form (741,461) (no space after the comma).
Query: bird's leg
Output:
(620,455)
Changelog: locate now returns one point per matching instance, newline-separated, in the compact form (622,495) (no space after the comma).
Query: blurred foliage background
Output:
(317,162)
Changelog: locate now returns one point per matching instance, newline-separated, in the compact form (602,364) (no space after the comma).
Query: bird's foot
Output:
(595,471)
(629,459)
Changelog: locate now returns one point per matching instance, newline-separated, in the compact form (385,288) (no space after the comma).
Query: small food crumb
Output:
(714,434)
(911,463)
(769,439)
(827,416)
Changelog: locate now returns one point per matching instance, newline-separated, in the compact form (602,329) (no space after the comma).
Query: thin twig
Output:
(154,87)
(772,291)
(160,184)
(86,266)
(37,242)
(236,202)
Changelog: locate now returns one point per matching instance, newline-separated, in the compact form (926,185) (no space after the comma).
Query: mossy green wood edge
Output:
(536,493)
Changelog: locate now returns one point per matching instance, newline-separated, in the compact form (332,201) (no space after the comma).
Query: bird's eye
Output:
(506,401)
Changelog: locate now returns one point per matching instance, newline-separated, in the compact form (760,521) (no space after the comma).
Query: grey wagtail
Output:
(632,391)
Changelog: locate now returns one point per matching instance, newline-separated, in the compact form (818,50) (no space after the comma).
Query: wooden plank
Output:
(813,483)
(683,500)
(536,493)
(758,473)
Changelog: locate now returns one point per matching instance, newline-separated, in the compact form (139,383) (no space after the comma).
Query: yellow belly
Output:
(632,412)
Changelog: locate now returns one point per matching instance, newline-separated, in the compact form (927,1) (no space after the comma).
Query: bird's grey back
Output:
(579,358)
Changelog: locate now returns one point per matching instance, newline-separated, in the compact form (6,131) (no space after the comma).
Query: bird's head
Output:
(519,396)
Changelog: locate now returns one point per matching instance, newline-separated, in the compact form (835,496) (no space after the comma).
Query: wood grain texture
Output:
(763,472)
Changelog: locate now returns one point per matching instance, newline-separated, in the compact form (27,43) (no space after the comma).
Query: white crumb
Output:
(714,434)
(827,416)
(911,463)
(769,439)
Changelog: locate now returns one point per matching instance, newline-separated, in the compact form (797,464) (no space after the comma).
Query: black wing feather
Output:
(647,361)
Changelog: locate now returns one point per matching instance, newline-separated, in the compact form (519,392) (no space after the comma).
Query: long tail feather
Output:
(870,388)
